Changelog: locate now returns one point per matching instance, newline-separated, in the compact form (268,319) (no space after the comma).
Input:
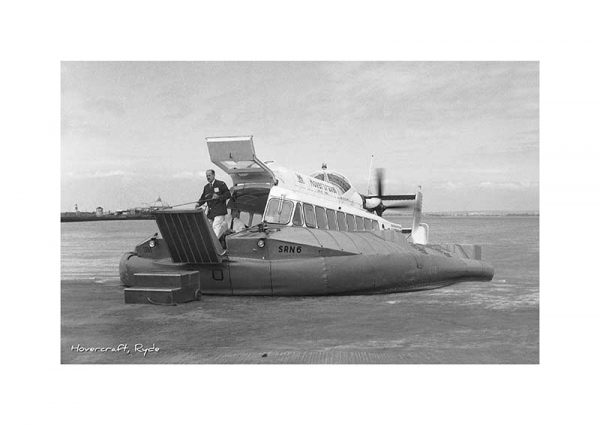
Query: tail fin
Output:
(420,231)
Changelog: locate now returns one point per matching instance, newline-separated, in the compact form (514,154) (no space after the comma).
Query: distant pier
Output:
(70,217)
(135,213)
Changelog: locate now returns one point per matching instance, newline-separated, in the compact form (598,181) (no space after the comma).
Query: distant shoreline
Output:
(482,214)
(71,219)
(471,214)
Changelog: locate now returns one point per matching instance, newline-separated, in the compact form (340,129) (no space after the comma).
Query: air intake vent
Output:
(189,236)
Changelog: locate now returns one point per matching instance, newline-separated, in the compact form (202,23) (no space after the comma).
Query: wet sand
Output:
(470,322)
(465,323)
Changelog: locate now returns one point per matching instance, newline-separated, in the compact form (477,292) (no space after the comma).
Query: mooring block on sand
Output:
(164,288)
(166,280)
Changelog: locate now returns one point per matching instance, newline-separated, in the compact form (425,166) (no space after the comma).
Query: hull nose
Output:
(478,270)
(487,271)
(124,275)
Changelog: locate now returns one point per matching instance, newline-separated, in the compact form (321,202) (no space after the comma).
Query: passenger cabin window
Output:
(351,223)
(321,218)
(309,215)
(278,211)
(375,224)
(367,224)
(360,225)
(342,221)
(297,220)
(331,220)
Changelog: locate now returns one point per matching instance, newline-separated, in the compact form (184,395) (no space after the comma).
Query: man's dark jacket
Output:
(216,206)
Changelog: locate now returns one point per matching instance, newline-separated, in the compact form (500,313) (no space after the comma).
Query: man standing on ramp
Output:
(215,194)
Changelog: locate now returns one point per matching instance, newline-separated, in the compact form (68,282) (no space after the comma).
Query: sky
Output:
(467,132)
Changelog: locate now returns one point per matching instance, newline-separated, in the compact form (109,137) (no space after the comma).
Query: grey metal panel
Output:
(187,256)
(163,227)
(189,236)
(391,235)
(380,245)
(346,241)
(363,243)
(299,276)
(250,277)
(201,240)
(335,240)
(299,235)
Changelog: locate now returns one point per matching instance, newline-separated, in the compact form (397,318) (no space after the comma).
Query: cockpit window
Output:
(335,179)
(339,181)
(278,211)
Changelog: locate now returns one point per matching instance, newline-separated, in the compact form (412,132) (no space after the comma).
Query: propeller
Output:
(375,202)
(379,177)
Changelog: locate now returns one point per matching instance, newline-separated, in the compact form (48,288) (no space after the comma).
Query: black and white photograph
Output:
(300,212)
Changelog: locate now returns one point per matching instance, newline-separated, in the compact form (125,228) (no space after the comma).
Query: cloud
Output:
(176,103)
(78,125)
(99,174)
(508,185)
(104,105)
(466,130)
(449,185)
(187,175)
(180,114)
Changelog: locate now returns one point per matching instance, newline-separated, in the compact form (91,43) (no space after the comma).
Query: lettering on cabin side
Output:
(285,249)
(315,185)
(321,186)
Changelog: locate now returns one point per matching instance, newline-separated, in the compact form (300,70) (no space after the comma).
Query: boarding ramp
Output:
(189,236)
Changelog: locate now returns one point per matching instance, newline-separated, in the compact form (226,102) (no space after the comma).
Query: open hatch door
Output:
(235,156)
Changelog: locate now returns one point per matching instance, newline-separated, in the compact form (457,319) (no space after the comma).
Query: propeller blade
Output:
(392,197)
(379,182)
(398,197)
(376,201)
(397,207)
(381,208)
